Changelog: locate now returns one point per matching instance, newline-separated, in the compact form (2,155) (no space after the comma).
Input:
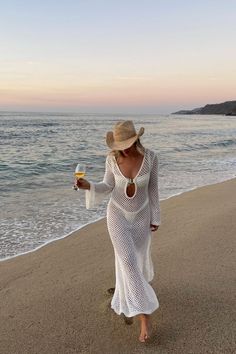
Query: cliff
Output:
(227,108)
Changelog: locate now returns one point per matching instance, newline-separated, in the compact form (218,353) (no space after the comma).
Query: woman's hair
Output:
(137,143)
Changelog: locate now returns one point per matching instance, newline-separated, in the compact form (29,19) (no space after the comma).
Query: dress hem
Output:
(135,313)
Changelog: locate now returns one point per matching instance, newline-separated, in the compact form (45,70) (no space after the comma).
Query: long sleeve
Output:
(99,190)
(154,193)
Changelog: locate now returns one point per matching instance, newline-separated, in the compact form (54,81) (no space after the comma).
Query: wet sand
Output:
(54,300)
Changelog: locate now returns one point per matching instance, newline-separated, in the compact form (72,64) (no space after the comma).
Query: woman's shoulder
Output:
(151,154)
(110,159)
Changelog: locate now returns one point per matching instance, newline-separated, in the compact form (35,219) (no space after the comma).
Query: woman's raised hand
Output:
(81,183)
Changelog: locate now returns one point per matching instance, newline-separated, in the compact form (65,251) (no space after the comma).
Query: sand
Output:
(54,300)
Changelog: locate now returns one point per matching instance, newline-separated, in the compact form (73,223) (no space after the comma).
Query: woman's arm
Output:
(95,192)
(154,196)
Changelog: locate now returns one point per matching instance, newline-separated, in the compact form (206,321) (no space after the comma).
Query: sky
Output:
(110,56)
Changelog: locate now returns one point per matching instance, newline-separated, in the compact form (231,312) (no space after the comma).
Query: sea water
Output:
(39,152)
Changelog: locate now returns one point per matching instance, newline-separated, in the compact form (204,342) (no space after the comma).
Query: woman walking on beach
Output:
(133,211)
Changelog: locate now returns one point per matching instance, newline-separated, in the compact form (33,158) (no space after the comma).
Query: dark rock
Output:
(227,108)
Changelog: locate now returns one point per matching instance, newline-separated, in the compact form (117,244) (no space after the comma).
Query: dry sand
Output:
(54,300)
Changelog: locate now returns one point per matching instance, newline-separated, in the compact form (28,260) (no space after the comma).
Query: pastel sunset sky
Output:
(116,56)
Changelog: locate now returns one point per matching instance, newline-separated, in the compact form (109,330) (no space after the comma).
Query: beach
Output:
(54,300)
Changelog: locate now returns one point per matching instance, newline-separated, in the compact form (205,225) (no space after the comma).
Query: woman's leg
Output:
(144,327)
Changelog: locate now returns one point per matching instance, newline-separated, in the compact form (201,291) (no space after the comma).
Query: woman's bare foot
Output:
(128,320)
(111,291)
(144,328)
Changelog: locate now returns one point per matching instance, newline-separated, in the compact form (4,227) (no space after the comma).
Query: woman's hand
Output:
(81,183)
(154,227)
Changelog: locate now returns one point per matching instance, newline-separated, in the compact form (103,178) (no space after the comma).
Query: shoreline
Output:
(51,241)
(100,218)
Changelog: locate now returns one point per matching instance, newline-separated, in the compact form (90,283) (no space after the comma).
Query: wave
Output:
(214,144)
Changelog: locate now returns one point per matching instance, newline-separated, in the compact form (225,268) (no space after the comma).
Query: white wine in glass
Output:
(79,172)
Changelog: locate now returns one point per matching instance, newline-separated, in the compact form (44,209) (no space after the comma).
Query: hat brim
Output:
(122,145)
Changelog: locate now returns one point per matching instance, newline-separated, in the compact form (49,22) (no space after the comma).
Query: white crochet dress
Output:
(128,220)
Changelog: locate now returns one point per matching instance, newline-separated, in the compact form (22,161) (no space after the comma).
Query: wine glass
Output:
(79,172)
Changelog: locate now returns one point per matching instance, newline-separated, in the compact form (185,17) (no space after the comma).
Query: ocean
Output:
(39,152)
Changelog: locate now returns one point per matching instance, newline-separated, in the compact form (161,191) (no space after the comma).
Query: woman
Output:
(133,211)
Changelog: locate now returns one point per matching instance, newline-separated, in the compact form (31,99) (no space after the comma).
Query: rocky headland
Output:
(226,108)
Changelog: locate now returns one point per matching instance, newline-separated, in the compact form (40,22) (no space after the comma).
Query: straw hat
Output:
(123,135)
